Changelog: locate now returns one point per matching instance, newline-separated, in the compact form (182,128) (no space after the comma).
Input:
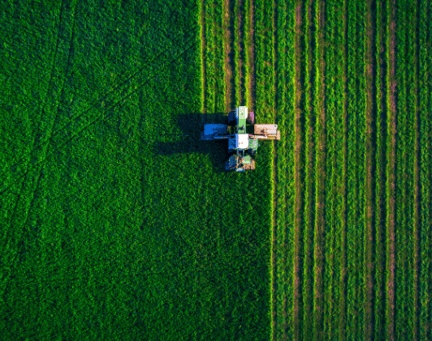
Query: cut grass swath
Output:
(425,108)
(298,178)
(331,265)
(380,175)
(320,173)
(368,265)
(391,161)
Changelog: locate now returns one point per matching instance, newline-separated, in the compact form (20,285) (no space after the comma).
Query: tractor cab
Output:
(242,144)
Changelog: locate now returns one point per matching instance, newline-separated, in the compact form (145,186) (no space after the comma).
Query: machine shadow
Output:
(191,126)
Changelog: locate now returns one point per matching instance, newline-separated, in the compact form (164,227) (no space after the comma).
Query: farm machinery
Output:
(242,143)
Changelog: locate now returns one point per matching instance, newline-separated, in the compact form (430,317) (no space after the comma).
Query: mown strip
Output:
(401,223)
(201,21)
(320,172)
(288,127)
(368,265)
(298,181)
(209,57)
(283,243)
(425,108)
(249,53)
(380,175)
(391,162)
(230,57)
(352,181)
(412,172)
(309,195)
(330,242)
(220,57)
(341,169)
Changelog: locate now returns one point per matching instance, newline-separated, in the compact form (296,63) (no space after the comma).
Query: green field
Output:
(118,223)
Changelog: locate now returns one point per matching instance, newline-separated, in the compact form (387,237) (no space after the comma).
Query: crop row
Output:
(424,108)
(330,253)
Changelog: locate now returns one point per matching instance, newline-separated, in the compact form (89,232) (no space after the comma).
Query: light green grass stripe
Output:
(425,105)
(380,157)
(352,194)
(283,172)
(309,126)
(360,163)
(330,270)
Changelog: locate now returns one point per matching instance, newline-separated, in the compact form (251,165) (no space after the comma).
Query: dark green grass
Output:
(116,221)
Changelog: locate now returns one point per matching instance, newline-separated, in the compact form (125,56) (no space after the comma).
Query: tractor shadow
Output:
(191,126)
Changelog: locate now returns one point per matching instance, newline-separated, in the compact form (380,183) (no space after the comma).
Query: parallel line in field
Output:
(251,53)
(412,219)
(416,214)
(370,171)
(274,186)
(288,146)
(380,175)
(425,106)
(239,51)
(320,172)
(391,157)
(331,224)
(353,198)
(309,208)
(281,220)
(361,172)
(343,212)
(203,58)
(230,63)
(401,207)
(297,309)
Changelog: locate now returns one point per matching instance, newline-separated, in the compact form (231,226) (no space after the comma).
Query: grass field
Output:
(118,223)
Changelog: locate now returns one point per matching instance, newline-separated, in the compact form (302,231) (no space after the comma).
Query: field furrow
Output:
(298,175)
(380,175)
(230,57)
(285,167)
(402,201)
(330,231)
(352,172)
(390,169)
(425,106)
(369,171)
(412,173)
(320,175)
(309,190)
(342,168)
(361,151)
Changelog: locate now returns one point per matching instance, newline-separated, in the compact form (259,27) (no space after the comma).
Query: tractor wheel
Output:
(231,118)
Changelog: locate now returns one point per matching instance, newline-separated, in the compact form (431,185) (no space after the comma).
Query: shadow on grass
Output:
(191,126)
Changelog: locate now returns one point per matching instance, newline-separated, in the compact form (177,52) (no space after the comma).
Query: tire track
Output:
(115,104)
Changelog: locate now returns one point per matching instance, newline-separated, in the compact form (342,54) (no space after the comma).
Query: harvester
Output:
(242,144)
